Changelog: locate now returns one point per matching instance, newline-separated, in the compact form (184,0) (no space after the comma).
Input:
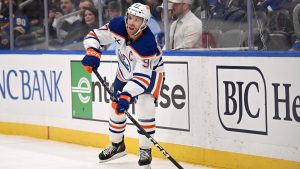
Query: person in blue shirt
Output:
(20,25)
(270,5)
(296,46)
(226,10)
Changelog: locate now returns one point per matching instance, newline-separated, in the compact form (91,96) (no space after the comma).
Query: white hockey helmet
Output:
(140,10)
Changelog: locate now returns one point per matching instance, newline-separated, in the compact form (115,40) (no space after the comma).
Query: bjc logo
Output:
(242,101)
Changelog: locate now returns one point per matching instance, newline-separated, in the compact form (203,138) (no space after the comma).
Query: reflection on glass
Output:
(224,24)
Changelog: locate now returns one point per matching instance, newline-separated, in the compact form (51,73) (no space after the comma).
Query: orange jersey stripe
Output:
(92,34)
(120,76)
(143,80)
(117,127)
(158,86)
(148,126)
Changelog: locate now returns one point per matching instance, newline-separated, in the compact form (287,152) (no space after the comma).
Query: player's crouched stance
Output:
(139,77)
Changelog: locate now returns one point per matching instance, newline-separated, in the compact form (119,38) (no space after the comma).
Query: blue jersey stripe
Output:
(147,120)
(113,131)
(152,82)
(150,132)
(142,75)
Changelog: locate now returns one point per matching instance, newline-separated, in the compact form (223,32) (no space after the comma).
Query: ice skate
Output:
(145,158)
(112,152)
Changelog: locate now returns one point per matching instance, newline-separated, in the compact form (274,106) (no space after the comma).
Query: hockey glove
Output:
(91,59)
(124,101)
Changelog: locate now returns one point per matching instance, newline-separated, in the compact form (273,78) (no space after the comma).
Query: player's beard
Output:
(132,30)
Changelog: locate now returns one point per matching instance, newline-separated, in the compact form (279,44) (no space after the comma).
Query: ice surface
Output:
(18,152)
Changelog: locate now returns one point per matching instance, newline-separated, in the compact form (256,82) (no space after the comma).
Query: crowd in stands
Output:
(193,24)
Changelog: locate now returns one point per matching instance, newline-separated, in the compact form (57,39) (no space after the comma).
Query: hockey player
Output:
(139,77)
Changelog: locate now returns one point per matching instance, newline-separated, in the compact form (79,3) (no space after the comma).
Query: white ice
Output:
(19,152)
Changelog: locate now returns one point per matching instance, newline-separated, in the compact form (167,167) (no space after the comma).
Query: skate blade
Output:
(119,155)
(145,166)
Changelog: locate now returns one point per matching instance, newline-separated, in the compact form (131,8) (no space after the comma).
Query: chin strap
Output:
(142,27)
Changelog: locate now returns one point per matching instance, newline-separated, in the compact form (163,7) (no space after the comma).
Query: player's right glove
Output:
(91,59)
(124,101)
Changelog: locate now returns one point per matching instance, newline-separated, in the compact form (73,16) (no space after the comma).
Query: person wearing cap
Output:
(186,30)
(159,9)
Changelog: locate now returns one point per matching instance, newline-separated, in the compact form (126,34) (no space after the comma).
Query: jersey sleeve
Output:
(98,37)
(21,24)
(105,35)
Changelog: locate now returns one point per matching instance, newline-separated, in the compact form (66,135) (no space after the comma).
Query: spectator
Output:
(89,22)
(68,24)
(201,9)
(269,5)
(34,10)
(4,35)
(113,9)
(34,36)
(226,10)
(54,4)
(186,30)
(20,24)
(280,18)
(85,4)
(153,4)
(160,10)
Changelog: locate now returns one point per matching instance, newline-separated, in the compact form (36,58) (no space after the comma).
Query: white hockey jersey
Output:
(140,62)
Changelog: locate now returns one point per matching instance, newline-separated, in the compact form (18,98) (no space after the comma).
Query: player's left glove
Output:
(124,101)
(91,59)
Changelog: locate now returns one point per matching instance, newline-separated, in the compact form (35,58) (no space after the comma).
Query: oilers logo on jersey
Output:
(124,60)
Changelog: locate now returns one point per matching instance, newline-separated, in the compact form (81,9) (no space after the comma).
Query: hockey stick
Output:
(137,124)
